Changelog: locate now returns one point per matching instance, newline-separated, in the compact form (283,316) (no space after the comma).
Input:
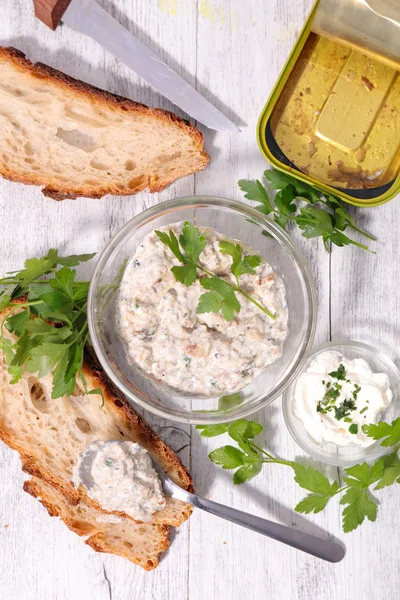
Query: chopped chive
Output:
(353,428)
(339,374)
(363,410)
(348,420)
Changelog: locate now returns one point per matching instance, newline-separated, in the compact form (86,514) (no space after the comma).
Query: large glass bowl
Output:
(236,221)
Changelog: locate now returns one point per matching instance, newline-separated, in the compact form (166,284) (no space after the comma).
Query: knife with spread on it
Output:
(87,17)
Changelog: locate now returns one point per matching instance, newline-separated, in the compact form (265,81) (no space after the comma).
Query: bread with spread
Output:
(50,435)
(74,139)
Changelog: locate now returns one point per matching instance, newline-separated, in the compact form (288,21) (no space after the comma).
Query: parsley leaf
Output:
(329,220)
(16,323)
(248,459)
(228,457)
(314,481)
(391,473)
(244,429)
(221,297)
(186,275)
(284,201)
(359,503)
(388,433)
(192,241)
(247,472)
(340,374)
(279,180)
(254,190)
(240,265)
(74,259)
(170,240)
(212,430)
(41,347)
(230,401)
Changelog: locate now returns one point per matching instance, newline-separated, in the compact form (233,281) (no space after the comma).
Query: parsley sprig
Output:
(221,294)
(320,215)
(49,318)
(247,459)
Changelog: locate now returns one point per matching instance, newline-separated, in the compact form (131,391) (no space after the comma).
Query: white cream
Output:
(124,479)
(198,354)
(325,417)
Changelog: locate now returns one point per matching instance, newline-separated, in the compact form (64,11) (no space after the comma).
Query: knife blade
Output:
(87,17)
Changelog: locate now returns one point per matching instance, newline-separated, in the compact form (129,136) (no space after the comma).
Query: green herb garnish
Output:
(344,408)
(363,410)
(320,215)
(339,374)
(221,294)
(247,459)
(353,428)
(49,317)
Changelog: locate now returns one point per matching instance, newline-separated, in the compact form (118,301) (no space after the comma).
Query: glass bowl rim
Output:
(267,224)
(371,452)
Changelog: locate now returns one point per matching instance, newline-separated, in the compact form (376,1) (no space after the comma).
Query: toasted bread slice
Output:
(50,434)
(77,140)
(139,543)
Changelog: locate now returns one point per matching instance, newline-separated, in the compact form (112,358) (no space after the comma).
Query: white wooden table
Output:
(233,52)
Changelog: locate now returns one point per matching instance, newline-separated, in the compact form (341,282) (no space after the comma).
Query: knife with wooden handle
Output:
(86,16)
(50,11)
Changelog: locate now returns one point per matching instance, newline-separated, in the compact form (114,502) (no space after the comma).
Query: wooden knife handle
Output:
(50,11)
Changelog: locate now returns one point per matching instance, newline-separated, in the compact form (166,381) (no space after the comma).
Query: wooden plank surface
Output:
(232,51)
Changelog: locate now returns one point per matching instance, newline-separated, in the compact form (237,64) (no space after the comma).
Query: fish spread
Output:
(124,479)
(198,354)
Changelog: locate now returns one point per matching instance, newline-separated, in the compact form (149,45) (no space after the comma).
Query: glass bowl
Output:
(236,221)
(330,453)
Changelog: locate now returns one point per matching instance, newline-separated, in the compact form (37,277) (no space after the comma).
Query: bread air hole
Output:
(136,182)
(162,159)
(38,396)
(12,91)
(82,424)
(81,118)
(130,165)
(96,164)
(82,526)
(29,149)
(76,138)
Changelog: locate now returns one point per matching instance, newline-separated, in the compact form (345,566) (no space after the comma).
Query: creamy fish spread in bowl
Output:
(198,354)
(201,310)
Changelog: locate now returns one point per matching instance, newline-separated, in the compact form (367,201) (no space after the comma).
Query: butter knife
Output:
(86,16)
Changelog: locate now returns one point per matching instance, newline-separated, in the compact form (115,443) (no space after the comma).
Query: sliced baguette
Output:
(139,543)
(77,140)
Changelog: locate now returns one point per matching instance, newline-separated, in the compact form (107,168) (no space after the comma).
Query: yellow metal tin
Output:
(344,138)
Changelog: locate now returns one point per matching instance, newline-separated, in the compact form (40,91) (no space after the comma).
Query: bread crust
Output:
(56,506)
(110,101)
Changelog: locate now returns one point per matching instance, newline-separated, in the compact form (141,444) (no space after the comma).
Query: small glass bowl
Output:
(236,221)
(330,453)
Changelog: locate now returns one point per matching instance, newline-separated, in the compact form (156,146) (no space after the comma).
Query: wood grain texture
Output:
(233,51)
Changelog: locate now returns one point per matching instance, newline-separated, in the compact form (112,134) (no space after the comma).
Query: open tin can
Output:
(333,117)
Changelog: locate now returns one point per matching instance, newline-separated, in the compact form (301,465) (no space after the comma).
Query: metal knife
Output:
(87,17)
